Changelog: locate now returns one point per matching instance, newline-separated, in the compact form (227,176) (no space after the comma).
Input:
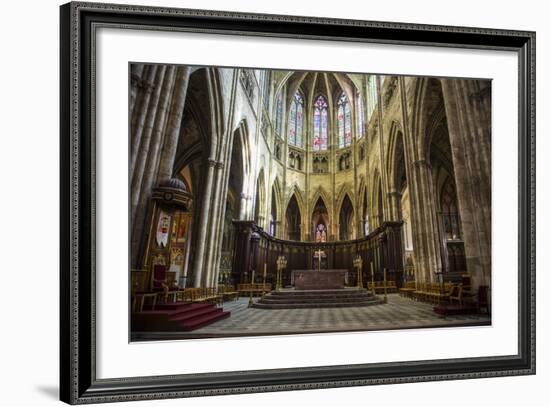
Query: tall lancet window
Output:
(344,122)
(295,123)
(279,114)
(320,124)
(360,116)
(372,95)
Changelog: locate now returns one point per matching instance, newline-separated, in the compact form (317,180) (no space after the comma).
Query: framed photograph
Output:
(255,203)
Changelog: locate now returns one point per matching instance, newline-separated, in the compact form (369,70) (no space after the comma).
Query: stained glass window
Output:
(340,126)
(267,83)
(279,115)
(344,122)
(320,125)
(372,95)
(324,129)
(360,117)
(295,122)
(347,112)
(292,124)
(299,114)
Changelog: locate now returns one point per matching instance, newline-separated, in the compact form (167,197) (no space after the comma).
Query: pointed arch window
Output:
(295,123)
(360,116)
(320,124)
(267,84)
(372,95)
(344,122)
(279,115)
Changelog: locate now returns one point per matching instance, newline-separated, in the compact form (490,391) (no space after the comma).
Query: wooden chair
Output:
(408,290)
(160,282)
(139,292)
(391,286)
(419,293)
(228,292)
(456,294)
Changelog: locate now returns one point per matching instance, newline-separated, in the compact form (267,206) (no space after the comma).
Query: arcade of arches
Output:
(393,169)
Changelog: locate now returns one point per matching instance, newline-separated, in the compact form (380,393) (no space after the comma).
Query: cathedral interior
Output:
(270,201)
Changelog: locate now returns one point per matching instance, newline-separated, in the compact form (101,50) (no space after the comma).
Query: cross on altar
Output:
(281,264)
(358,263)
(319,253)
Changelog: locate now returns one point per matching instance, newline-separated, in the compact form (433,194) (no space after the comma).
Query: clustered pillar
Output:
(156,114)
(422,200)
(467,107)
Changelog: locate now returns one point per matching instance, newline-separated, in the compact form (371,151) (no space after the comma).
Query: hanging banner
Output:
(163,229)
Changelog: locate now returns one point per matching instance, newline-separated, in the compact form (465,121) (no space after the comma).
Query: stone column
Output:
(395,205)
(149,164)
(142,150)
(360,226)
(223,178)
(140,114)
(261,222)
(166,165)
(199,260)
(222,170)
(381,153)
(426,225)
(215,226)
(278,229)
(470,148)
(423,215)
(136,72)
(242,206)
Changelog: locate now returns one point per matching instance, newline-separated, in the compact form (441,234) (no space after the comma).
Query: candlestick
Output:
(385,287)
(372,277)
(250,302)
(263,285)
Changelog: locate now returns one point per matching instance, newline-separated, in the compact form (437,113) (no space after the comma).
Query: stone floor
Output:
(398,313)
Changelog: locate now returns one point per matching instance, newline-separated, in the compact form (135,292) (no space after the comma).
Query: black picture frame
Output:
(78,382)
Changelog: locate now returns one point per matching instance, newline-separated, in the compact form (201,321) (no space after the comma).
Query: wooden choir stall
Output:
(316,265)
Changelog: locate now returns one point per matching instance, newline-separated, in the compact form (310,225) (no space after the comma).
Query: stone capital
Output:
(422,163)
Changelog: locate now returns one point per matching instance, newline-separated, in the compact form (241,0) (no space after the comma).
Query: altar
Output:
(319,279)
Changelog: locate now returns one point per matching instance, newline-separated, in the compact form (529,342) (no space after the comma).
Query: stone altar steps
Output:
(289,299)
(174,317)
